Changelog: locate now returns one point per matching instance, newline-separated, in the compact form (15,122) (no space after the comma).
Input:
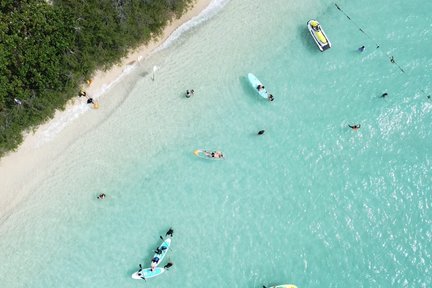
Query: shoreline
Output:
(20,168)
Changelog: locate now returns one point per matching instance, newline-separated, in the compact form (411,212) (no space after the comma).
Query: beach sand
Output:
(27,164)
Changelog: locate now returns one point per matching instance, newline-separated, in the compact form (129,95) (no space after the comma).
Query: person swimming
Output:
(170,232)
(270,97)
(384,95)
(101,196)
(168,265)
(354,127)
(190,93)
(261,132)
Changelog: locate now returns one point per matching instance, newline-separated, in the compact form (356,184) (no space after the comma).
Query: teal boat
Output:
(256,84)
(283,286)
(143,274)
(163,248)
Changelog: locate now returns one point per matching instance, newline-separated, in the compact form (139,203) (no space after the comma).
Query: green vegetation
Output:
(48,48)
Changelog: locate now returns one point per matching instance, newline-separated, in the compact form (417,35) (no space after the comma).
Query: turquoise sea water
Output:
(310,202)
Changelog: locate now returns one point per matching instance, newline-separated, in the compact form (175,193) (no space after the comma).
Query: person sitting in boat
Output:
(154,263)
(260,87)
(270,97)
(158,251)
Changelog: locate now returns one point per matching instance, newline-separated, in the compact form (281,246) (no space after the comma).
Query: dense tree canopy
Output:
(48,48)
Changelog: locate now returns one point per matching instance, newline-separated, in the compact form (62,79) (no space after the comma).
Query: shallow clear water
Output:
(310,202)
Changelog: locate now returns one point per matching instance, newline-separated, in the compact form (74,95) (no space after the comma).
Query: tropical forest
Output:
(49,48)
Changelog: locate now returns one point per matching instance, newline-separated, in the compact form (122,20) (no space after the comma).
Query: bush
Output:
(49,48)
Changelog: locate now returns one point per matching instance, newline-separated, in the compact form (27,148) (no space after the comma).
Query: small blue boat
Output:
(258,86)
(147,273)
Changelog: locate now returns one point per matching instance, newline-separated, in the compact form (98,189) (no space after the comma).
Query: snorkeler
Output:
(170,232)
(270,97)
(354,127)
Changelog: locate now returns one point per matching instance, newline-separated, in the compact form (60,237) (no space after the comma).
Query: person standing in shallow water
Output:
(190,93)
(361,49)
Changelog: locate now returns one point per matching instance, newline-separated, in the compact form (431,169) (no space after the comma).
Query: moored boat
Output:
(318,35)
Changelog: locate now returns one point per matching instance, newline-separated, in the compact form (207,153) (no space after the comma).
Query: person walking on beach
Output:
(354,127)
(82,93)
(261,132)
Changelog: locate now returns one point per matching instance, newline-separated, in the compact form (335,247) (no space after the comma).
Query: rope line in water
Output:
(358,26)
(391,58)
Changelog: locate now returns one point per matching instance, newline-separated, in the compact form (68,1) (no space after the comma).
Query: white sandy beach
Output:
(27,164)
